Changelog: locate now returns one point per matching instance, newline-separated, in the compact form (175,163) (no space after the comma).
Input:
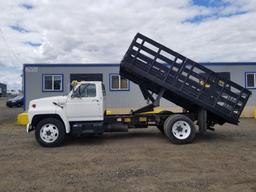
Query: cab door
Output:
(85,104)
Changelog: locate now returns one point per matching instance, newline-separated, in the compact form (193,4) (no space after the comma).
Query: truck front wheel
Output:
(179,129)
(50,132)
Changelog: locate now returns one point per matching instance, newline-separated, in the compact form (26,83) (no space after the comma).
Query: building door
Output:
(225,75)
(85,77)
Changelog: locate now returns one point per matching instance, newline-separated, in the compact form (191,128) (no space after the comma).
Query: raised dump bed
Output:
(183,81)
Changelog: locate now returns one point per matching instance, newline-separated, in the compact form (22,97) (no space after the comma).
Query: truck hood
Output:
(46,101)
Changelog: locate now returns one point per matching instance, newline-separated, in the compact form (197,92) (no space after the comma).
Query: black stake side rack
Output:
(168,74)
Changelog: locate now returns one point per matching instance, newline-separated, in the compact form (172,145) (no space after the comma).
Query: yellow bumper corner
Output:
(254,113)
(108,112)
(22,119)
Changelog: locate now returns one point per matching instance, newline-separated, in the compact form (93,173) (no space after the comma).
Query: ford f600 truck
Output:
(207,99)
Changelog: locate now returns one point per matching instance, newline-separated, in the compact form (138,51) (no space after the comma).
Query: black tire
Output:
(170,129)
(57,125)
(160,126)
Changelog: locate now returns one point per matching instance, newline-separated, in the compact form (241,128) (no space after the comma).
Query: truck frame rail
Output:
(184,81)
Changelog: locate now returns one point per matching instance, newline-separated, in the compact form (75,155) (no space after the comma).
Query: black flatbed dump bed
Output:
(164,72)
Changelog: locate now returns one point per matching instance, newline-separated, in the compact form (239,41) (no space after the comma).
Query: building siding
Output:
(3,90)
(123,99)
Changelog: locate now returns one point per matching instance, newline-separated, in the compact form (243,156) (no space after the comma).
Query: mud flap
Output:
(202,121)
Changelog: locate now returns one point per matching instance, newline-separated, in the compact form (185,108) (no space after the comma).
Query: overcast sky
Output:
(100,31)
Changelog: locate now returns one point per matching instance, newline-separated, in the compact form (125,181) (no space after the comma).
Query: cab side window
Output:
(88,90)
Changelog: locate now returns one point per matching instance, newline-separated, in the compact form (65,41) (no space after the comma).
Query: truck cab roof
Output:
(82,82)
(77,83)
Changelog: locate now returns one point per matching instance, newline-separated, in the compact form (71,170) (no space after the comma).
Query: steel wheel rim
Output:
(49,133)
(181,129)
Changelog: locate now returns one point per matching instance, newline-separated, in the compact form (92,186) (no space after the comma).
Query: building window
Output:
(52,83)
(250,80)
(118,83)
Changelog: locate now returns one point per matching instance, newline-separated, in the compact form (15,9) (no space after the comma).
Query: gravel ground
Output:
(141,160)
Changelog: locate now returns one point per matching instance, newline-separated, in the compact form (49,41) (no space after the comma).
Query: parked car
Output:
(15,101)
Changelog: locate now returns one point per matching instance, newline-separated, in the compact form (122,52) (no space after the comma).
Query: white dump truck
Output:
(207,99)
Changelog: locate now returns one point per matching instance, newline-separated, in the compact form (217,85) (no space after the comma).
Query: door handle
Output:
(95,100)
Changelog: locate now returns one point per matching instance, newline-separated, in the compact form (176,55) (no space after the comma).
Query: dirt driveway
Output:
(141,160)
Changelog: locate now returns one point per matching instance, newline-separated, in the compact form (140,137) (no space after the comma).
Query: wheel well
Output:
(164,115)
(38,118)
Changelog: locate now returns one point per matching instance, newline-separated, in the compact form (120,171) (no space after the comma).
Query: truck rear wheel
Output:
(179,129)
(50,132)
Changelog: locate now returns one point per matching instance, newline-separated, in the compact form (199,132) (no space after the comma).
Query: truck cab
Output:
(54,117)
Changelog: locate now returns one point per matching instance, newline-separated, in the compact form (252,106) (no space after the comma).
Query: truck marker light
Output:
(142,119)
(127,120)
